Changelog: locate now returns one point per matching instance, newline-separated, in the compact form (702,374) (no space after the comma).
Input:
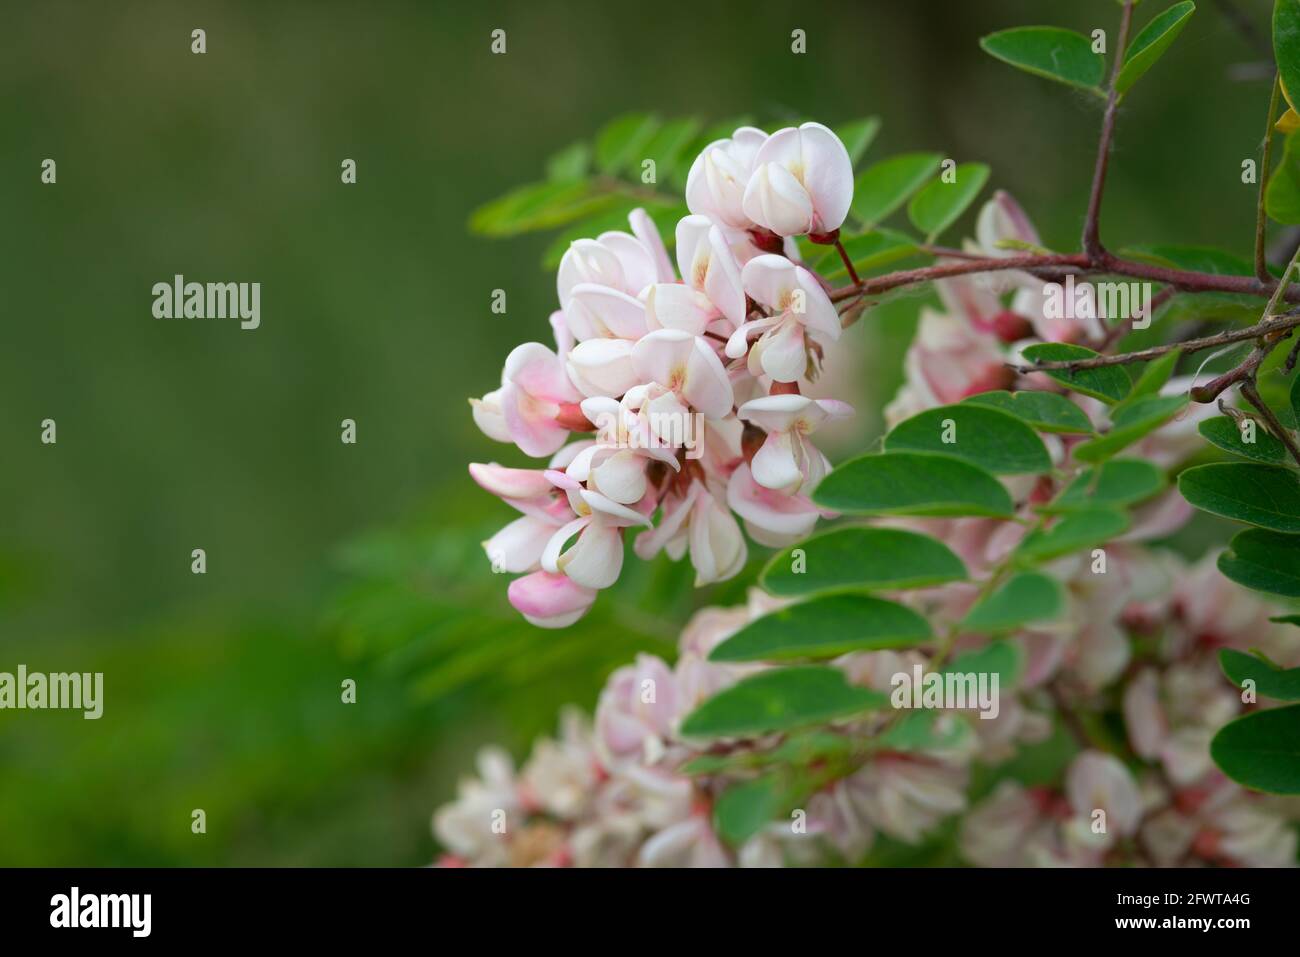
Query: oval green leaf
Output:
(1025,598)
(937,207)
(1265,561)
(1045,411)
(1071,532)
(993,440)
(1129,423)
(913,483)
(1263,495)
(825,627)
(866,558)
(1108,383)
(1262,750)
(1149,45)
(1114,484)
(882,188)
(1271,681)
(778,700)
(1226,434)
(1050,52)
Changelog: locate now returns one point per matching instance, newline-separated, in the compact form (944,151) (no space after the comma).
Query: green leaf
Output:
(538,206)
(983,436)
(614,216)
(925,731)
(1108,383)
(1295,397)
(937,207)
(867,558)
(621,144)
(1155,374)
(668,147)
(1265,561)
(570,163)
(1129,423)
(1263,495)
(1025,598)
(1261,750)
(997,657)
(1287,620)
(1114,484)
(880,247)
(825,627)
(858,135)
(1286,46)
(780,699)
(1283,684)
(1226,434)
(882,188)
(1045,411)
(1282,195)
(1072,532)
(1061,55)
(913,483)
(745,809)
(1149,45)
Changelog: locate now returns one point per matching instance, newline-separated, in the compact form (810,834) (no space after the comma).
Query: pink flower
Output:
(787,461)
(802,311)
(715,186)
(802,182)
(636,713)
(534,391)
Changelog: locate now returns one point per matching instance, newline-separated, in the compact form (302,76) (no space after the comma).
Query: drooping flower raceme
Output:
(630,789)
(685,387)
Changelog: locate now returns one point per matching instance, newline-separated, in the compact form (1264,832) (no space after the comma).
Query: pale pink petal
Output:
(596,559)
(612,312)
(717,546)
(587,261)
(518,547)
(775,465)
(538,371)
(550,600)
(639,266)
(770,280)
(489,418)
(827,175)
(602,367)
(532,422)
(775,199)
(508,482)
(644,229)
(621,477)
(782,353)
(677,306)
(783,517)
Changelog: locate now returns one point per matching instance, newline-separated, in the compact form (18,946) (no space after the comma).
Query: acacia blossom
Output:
(691,379)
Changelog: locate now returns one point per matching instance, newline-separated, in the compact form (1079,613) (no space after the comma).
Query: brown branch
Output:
(1092,224)
(1274,324)
(1253,397)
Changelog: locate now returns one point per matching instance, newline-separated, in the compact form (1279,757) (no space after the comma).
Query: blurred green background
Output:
(328,561)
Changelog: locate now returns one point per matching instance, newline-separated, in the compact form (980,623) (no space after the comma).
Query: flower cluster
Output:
(1139,642)
(695,382)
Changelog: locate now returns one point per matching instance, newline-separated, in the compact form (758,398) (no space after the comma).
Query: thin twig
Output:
(1271,325)
(1092,224)
(1253,397)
